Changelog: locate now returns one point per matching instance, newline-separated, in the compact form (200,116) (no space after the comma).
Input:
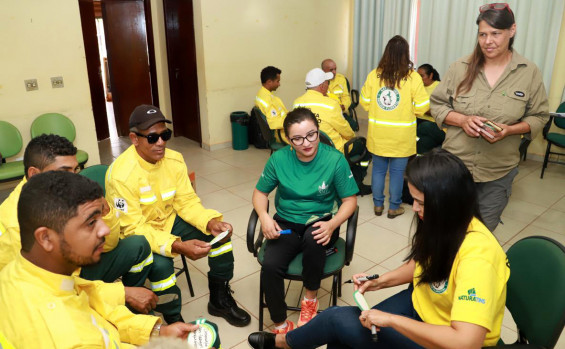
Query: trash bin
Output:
(239,121)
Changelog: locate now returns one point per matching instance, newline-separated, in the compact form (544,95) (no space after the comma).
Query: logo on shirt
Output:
(121,204)
(439,287)
(472,297)
(388,99)
(323,189)
(273,112)
(519,93)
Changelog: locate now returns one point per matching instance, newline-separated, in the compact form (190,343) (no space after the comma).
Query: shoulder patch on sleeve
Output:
(121,204)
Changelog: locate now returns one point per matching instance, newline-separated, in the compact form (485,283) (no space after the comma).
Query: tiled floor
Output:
(225,180)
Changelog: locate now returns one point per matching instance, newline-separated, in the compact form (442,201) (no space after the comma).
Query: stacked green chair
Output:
(54,123)
(334,263)
(554,138)
(267,134)
(536,290)
(10,144)
(98,174)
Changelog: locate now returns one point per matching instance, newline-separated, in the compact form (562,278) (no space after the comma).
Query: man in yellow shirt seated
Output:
(130,258)
(44,303)
(270,105)
(148,184)
(338,85)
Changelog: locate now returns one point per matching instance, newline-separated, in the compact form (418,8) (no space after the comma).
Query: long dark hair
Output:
(395,64)
(429,69)
(499,19)
(450,203)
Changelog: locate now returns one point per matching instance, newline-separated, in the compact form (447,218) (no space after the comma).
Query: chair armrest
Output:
(253,218)
(354,98)
(547,126)
(350,145)
(350,235)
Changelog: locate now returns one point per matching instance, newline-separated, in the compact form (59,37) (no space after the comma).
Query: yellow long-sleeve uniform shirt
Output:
(338,90)
(10,243)
(274,110)
(150,196)
(329,116)
(392,114)
(429,89)
(41,310)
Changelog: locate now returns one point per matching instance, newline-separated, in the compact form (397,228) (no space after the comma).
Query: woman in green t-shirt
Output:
(312,180)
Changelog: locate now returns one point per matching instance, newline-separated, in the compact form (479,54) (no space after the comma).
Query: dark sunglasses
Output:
(152,138)
(495,6)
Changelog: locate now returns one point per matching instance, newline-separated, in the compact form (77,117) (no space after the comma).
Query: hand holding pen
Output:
(363,279)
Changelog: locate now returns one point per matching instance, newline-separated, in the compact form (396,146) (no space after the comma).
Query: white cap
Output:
(316,77)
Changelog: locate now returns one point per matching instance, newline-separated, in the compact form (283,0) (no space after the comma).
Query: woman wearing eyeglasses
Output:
(394,96)
(456,272)
(487,101)
(311,178)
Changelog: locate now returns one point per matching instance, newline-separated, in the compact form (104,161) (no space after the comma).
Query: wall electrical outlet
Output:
(31,85)
(57,82)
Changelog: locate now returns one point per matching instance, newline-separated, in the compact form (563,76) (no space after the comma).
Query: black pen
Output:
(364,278)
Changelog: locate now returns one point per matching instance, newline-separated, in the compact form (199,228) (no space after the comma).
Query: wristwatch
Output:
(156,331)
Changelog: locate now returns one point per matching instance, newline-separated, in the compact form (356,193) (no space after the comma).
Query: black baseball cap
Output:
(145,116)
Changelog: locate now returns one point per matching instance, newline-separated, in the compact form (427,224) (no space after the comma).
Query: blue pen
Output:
(286,231)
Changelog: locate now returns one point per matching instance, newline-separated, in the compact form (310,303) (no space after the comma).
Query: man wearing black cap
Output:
(149,186)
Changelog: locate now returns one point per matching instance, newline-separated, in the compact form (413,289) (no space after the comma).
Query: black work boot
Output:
(222,303)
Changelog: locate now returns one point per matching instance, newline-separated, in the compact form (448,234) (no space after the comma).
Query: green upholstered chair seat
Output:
(97,173)
(333,264)
(82,157)
(12,170)
(556,138)
(276,146)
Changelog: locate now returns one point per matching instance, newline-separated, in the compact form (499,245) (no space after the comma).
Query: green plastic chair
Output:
(334,263)
(535,295)
(98,174)
(554,138)
(267,134)
(59,124)
(10,144)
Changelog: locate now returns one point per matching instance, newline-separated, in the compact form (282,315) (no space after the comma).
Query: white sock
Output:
(309,300)
(280,327)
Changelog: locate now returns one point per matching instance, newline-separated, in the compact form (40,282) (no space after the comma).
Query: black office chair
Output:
(334,263)
(98,173)
(554,138)
(267,134)
(354,94)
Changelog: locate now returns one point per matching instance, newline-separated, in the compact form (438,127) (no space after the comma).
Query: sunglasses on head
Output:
(152,138)
(495,6)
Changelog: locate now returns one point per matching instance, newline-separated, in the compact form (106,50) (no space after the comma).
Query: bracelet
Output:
(156,331)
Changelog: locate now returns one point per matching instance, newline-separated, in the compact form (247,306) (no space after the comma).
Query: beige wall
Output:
(236,39)
(42,39)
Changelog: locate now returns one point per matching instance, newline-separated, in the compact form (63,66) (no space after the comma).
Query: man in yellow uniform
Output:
(129,258)
(331,120)
(149,185)
(270,105)
(44,304)
(338,85)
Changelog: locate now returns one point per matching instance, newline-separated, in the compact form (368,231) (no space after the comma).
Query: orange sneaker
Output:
(289,327)
(308,310)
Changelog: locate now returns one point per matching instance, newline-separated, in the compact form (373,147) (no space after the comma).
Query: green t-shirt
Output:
(307,190)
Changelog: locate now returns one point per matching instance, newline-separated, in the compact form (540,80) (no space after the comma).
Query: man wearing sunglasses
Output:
(148,184)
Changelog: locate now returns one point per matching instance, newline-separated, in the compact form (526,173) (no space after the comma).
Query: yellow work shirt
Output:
(149,197)
(274,110)
(329,116)
(10,242)
(392,114)
(476,289)
(429,89)
(338,90)
(41,309)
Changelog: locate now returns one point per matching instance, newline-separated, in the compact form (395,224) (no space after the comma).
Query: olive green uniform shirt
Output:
(518,95)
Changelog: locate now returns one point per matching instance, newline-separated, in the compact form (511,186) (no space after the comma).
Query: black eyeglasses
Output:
(299,140)
(495,6)
(152,138)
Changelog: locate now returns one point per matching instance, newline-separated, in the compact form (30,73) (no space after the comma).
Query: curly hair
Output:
(41,151)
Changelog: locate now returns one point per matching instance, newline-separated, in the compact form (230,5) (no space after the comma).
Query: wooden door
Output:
(129,44)
(94,70)
(181,58)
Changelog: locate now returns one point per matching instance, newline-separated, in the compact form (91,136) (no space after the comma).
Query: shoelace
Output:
(229,293)
(308,309)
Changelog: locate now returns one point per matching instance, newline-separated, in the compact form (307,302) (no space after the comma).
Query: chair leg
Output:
(185,266)
(545,159)
(334,290)
(339,282)
(261,304)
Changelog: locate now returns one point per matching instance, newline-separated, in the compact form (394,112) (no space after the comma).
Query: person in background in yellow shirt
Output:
(129,259)
(394,96)
(429,134)
(270,105)
(148,184)
(44,303)
(337,88)
(456,272)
